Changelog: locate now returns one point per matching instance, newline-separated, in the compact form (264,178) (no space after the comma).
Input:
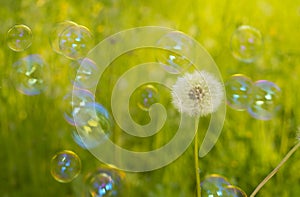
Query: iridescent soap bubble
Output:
(94,124)
(147,95)
(246,44)
(237,87)
(65,166)
(214,186)
(75,41)
(56,31)
(264,100)
(19,38)
(105,182)
(29,75)
(86,73)
(74,101)
(173,61)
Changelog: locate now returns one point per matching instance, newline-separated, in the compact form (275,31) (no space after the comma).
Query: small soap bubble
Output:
(65,166)
(174,62)
(94,124)
(29,75)
(237,87)
(246,43)
(214,186)
(56,31)
(19,38)
(74,101)
(105,182)
(264,100)
(147,95)
(86,73)
(75,41)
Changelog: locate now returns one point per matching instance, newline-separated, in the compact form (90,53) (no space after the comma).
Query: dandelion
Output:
(197,94)
(275,170)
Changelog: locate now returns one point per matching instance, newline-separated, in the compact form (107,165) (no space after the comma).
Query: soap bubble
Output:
(75,41)
(29,75)
(177,43)
(73,102)
(56,31)
(264,100)
(94,124)
(86,73)
(19,38)
(246,44)
(147,95)
(234,191)
(237,87)
(214,186)
(65,166)
(105,182)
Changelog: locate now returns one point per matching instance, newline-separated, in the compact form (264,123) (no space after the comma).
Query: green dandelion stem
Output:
(288,155)
(198,187)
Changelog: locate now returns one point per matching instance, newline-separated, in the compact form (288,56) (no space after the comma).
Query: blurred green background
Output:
(32,128)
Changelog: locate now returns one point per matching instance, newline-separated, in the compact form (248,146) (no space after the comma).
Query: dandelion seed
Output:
(199,93)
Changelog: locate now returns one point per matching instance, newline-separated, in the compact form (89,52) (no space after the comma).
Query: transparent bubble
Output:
(246,44)
(264,100)
(75,41)
(105,183)
(73,102)
(65,166)
(19,38)
(214,186)
(56,31)
(86,73)
(234,191)
(94,124)
(147,95)
(180,44)
(30,76)
(237,87)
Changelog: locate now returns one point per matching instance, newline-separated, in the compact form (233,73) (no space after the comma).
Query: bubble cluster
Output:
(29,75)
(264,100)
(71,40)
(176,43)
(217,186)
(19,38)
(237,87)
(246,44)
(65,166)
(104,183)
(147,96)
(86,73)
(74,101)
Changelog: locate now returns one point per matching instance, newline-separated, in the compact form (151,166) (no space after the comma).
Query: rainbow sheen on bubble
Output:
(237,87)
(29,75)
(246,44)
(179,44)
(74,101)
(55,33)
(214,186)
(75,41)
(147,95)
(94,124)
(234,191)
(65,166)
(105,182)
(86,73)
(264,100)
(19,38)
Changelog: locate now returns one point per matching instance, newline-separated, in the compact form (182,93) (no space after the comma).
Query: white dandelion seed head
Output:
(197,94)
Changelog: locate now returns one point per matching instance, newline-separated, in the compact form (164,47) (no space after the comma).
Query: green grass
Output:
(32,128)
